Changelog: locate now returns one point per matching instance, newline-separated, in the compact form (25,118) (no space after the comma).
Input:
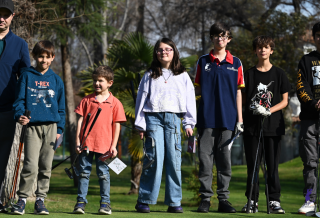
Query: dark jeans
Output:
(213,144)
(7,129)
(308,152)
(272,148)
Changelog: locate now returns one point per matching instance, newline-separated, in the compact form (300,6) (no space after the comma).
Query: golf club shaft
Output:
(18,159)
(85,126)
(253,174)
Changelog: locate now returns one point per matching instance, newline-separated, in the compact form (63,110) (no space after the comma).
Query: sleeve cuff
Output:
(196,84)
(241,86)
(59,131)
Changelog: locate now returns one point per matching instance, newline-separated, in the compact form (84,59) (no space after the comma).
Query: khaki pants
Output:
(38,151)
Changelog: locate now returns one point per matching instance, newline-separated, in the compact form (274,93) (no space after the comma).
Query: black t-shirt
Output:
(272,83)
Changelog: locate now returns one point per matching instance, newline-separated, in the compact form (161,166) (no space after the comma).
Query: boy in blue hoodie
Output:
(40,91)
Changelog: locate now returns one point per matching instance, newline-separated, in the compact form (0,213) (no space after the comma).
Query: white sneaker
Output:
(306,207)
(244,209)
(275,207)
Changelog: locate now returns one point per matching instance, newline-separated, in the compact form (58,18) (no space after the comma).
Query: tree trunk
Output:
(136,170)
(140,25)
(70,106)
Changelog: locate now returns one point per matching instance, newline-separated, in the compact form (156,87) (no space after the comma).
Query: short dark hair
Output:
(262,41)
(315,28)
(218,28)
(176,67)
(103,71)
(43,46)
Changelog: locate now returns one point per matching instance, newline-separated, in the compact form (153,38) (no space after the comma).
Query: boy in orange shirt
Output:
(103,137)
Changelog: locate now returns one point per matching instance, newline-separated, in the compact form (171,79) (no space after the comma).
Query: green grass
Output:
(62,195)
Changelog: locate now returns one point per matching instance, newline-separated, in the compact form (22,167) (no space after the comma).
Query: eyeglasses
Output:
(220,37)
(166,50)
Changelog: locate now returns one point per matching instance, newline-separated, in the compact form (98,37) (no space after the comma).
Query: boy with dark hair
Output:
(219,81)
(40,91)
(103,137)
(265,95)
(308,92)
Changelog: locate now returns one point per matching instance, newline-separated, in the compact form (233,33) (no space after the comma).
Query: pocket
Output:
(178,151)
(149,150)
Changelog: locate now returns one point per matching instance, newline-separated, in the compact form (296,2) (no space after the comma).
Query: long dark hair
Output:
(175,66)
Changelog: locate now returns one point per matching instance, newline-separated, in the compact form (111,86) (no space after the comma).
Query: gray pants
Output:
(38,156)
(7,129)
(309,134)
(213,143)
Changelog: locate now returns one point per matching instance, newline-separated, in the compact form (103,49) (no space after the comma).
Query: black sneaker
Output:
(225,207)
(105,209)
(177,209)
(204,206)
(18,208)
(39,208)
(244,209)
(275,207)
(79,208)
(142,208)
(3,209)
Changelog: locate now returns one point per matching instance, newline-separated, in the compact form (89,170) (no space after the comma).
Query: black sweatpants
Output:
(272,149)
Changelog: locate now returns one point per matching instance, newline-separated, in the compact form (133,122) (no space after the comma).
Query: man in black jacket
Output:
(308,92)
(14,55)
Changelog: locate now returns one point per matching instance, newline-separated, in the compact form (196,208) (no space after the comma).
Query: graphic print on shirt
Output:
(316,80)
(263,97)
(42,93)
(166,99)
(207,67)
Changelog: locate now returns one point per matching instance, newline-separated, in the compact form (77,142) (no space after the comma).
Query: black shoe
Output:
(79,208)
(3,209)
(225,207)
(39,208)
(177,209)
(204,206)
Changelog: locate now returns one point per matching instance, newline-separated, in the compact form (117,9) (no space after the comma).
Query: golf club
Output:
(17,165)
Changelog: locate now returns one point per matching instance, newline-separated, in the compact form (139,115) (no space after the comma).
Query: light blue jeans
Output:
(85,162)
(163,144)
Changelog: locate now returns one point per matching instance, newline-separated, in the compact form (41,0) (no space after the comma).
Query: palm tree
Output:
(129,58)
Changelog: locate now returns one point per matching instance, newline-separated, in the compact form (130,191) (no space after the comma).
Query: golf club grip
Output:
(86,125)
(24,128)
(95,118)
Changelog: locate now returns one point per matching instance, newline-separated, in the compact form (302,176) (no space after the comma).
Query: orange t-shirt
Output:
(100,137)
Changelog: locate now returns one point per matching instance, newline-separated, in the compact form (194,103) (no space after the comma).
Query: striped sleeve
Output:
(240,77)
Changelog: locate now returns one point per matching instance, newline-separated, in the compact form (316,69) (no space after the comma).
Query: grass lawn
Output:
(62,195)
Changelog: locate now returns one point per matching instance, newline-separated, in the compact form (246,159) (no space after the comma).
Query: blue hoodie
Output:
(14,57)
(43,95)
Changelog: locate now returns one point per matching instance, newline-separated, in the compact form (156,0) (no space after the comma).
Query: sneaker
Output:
(79,208)
(275,207)
(142,208)
(306,207)
(225,207)
(3,209)
(18,208)
(204,206)
(177,209)
(105,209)
(39,208)
(244,209)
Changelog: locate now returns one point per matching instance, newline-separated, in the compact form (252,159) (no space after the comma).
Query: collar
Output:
(109,100)
(229,57)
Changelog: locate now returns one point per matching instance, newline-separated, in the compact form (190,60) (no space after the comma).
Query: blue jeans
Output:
(163,144)
(85,162)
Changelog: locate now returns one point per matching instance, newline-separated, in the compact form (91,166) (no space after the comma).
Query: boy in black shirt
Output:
(308,92)
(265,95)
